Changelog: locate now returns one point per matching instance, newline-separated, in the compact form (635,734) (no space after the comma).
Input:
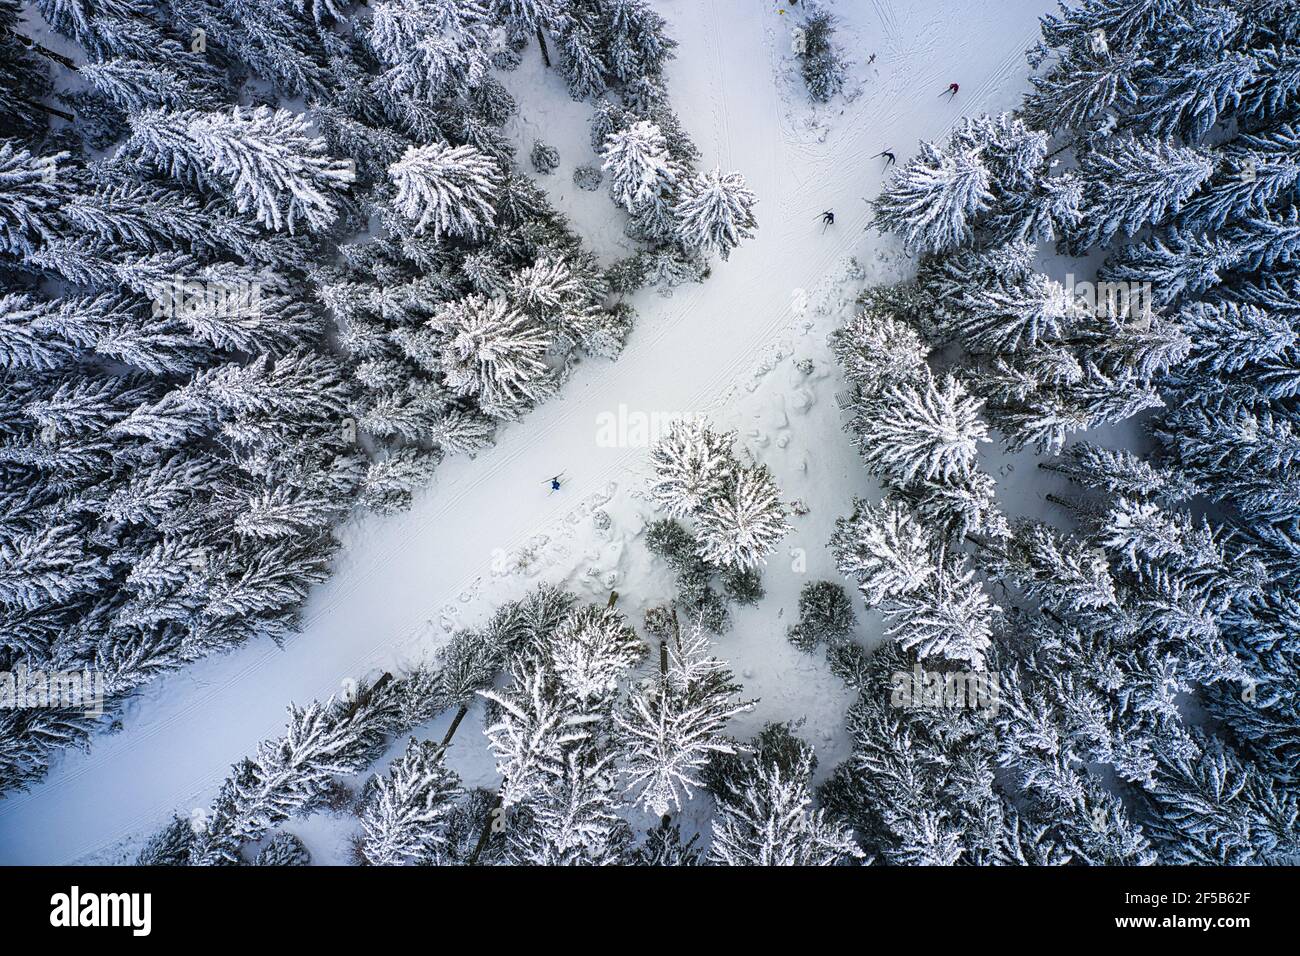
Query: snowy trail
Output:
(398,572)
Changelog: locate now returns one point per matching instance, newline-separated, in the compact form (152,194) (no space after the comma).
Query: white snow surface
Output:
(488,529)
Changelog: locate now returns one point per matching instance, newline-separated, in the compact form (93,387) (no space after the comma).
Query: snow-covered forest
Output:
(649,432)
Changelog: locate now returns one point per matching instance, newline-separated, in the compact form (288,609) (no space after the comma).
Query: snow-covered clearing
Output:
(489,528)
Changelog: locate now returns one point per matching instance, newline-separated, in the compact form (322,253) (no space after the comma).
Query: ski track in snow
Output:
(688,354)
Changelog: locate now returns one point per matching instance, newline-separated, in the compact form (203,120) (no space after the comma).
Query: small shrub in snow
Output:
(507,58)
(284,849)
(743,585)
(822,68)
(588,178)
(545,159)
(659,622)
(627,274)
(825,614)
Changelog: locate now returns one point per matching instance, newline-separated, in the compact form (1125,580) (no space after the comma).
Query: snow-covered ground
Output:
(489,528)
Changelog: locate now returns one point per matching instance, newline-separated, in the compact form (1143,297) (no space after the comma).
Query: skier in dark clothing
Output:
(888,157)
(951,90)
(555,482)
(828,219)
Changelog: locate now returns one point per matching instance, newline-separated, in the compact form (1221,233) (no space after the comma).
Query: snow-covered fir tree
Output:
(670,732)
(819,61)
(739,527)
(284,849)
(714,212)
(766,816)
(932,200)
(738,508)
(692,463)
(268,160)
(446,190)
(641,171)
(404,815)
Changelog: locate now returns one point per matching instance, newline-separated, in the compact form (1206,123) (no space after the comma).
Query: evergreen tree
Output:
(714,212)
(929,434)
(284,849)
(448,189)
(493,354)
(636,39)
(670,731)
(933,199)
(765,816)
(692,463)
(1136,182)
(404,816)
(639,167)
(293,772)
(430,47)
(267,161)
(741,526)
(820,63)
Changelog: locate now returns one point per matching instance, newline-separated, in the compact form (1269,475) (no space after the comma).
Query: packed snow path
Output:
(178,744)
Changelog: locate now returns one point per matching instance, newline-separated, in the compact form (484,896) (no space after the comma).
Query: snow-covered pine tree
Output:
(1135,182)
(819,62)
(574,822)
(268,161)
(929,597)
(581,59)
(739,527)
(765,814)
(928,434)
(1213,809)
(663,846)
(636,39)
(641,172)
(290,773)
(406,810)
(933,199)
(885,550)
(714,212)
(446,189)
(670,731)
(1119,471)
(24,75)
(692,464)
(493,354)
(134,86)
(28,199)
(531,733)
(825,616)
(591,651)
(429,47)
(951,617)
(284,849)
(527,18)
